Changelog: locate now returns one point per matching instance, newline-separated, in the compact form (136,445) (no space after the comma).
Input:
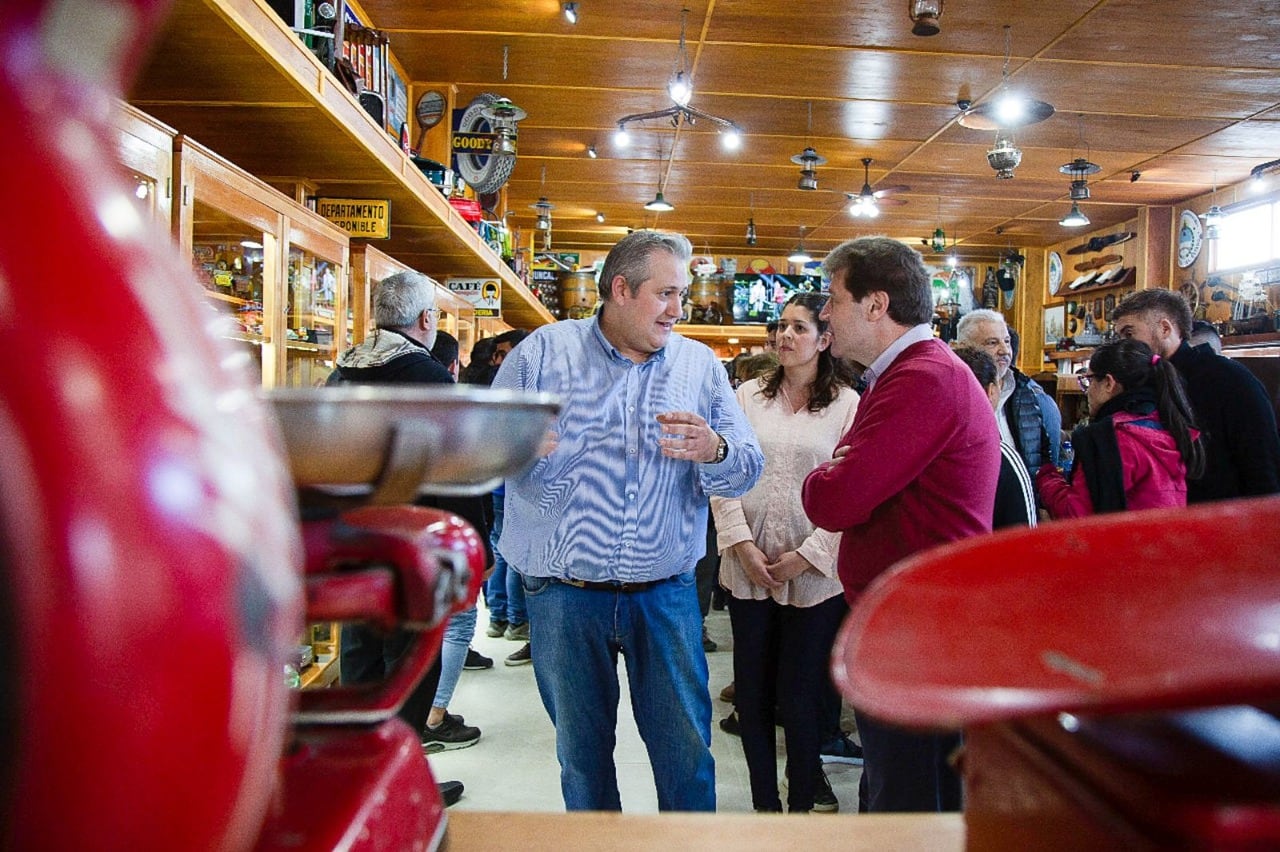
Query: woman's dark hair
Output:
(832,373)
(980,363)
(1131,363)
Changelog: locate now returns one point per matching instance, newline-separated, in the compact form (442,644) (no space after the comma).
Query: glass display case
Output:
(144,150)
(273,269)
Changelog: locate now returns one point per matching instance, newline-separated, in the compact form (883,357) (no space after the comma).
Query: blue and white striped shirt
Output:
(606,505)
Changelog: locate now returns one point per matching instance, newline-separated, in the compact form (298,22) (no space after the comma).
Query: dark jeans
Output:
(906,771)
(707,569)
(370,655)
(781,658)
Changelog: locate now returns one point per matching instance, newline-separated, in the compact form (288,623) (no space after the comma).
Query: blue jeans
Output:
(503,593)
(576,637)
(453,654)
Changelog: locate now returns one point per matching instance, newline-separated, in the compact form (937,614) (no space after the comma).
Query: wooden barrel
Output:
(711,298)
(578,293)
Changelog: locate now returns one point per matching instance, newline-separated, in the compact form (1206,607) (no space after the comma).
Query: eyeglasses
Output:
(1084,379)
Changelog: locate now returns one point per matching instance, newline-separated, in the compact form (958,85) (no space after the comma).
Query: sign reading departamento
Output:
(483,293)
(366,218)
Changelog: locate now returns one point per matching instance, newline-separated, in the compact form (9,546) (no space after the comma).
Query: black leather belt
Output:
(611,586)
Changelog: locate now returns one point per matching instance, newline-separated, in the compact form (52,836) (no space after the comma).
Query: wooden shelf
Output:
(230,74)
(319,674)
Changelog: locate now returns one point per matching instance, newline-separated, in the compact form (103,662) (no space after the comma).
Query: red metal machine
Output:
(153,582)
(1116,677)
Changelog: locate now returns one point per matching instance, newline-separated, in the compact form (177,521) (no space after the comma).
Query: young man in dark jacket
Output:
(1232,411)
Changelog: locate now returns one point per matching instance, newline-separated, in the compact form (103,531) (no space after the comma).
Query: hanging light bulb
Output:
(1008,108)
(1074,219)
(680,87)
(622,138)
(731,138)
(591,151)
(799,256)
(571,12)
(1214,217)
(659,204)
(600,218)
(751,232)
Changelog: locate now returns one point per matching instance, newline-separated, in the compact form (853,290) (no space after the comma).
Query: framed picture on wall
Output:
(1055,323)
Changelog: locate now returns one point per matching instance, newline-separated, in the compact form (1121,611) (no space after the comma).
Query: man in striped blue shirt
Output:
(605,529)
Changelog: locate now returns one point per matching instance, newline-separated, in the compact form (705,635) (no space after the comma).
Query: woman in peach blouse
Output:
(786,601)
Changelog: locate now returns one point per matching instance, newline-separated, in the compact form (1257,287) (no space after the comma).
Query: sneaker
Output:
(450,792)
(824,798)
(517,632)
(496,629)
(729,724)
(841,750)
(708,644)
(450,734)
(728,694)
(520,658)
(476,661)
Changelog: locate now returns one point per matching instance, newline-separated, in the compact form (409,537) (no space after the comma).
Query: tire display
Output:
(482,172)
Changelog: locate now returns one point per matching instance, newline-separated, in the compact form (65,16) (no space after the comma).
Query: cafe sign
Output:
(365,218)
(484,294)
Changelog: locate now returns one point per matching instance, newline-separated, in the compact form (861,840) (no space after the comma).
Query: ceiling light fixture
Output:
(680,90)
(1258,172)
(799,256)
(751,221)
(939,241)
(543,207)
(1008,108)
(866,202)
(502,114)
(591,151)
(1074,219)
(600,218)
(1080,168)
(1005,156)
(924,15)
(660,204)
(571,12)
(808,159)
(1214,216)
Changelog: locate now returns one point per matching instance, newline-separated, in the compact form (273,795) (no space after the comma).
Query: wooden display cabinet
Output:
(276,269)
(144,150)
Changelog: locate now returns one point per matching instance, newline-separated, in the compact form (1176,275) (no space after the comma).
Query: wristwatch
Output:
(721,451)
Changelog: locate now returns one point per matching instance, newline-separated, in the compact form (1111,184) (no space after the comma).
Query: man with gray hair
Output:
(399,349)
(399,352)
(606,529)
(1028,418)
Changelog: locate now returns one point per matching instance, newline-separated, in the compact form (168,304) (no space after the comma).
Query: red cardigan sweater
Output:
(923,460)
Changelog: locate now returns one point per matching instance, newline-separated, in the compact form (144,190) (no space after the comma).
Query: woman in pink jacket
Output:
(1139,448)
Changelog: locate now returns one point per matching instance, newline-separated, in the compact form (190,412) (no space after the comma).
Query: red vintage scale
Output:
(1116,677)
(157,574)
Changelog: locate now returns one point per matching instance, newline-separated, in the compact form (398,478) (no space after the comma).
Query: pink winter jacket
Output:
(1154,474)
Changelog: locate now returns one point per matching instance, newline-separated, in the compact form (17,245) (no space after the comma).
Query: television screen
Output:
(759,296)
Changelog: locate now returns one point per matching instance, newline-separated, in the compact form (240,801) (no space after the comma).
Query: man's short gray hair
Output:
(630,258)
(973,317)
(398,300)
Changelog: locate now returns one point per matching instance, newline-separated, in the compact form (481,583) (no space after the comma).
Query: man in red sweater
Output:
(918,468)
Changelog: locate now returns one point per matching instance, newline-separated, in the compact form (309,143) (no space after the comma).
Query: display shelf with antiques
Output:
(231,73)
(144,148)
(277,270)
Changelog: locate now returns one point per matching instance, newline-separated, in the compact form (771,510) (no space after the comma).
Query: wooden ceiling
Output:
(1183,94)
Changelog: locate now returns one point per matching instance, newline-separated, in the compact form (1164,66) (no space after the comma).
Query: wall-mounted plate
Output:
(1055,272)
(1190,236)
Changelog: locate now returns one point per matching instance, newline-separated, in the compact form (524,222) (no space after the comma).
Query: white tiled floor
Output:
(514,768)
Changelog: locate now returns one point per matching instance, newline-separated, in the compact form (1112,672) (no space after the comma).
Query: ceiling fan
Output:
(866,202)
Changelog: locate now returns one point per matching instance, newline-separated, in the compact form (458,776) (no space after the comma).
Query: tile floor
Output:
(513,767)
